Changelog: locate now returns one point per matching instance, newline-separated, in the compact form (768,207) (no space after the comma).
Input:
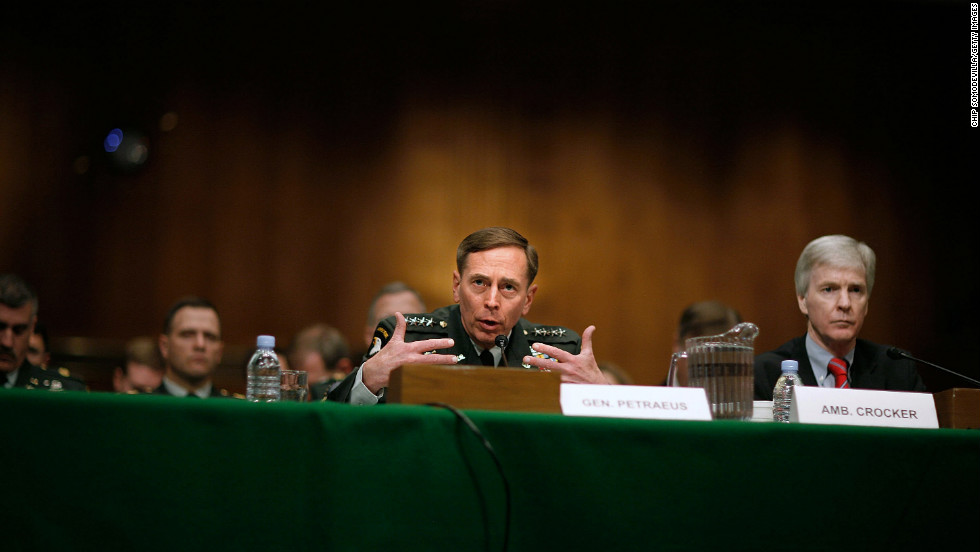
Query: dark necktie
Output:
(838,367)
(487,358)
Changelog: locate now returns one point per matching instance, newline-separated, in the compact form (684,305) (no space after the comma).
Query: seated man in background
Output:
(704,318)
(142,370)
(700,319)
(391,298)
(321,351)
(493,289)
(18,316)
(38,351)
(191,348)
(834,277)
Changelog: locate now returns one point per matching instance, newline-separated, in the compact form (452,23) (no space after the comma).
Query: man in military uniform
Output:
(391,298)
(321,351)
(142,367)
(18,315)
(38,352)
(493,289)
(191,348)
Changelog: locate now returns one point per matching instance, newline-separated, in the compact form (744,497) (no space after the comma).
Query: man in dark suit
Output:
(834,277)
(18,316)
(191,348)
(493,289)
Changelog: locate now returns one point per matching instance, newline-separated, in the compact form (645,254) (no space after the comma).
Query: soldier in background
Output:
(321,351)
(191,348)
(38,352)
(142,369)
(18,317)
(391,298)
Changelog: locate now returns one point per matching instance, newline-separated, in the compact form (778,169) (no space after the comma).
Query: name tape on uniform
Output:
(863,407)
(635,401)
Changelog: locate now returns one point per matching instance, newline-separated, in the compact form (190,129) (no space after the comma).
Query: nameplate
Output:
(863,407)
(635,401)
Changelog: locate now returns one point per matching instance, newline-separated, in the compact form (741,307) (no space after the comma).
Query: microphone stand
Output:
(896,353)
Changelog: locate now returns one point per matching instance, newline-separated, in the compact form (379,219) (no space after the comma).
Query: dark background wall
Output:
(656,154)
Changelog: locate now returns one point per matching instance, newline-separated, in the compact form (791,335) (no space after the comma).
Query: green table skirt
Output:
(97,471)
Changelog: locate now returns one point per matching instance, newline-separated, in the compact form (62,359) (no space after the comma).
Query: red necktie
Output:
(838,367)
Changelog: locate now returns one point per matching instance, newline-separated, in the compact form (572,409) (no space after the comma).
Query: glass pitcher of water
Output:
(723,366)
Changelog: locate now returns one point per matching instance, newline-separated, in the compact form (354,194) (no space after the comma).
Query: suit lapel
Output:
(863,365)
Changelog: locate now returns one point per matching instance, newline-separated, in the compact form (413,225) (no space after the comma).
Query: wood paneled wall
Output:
(289,199)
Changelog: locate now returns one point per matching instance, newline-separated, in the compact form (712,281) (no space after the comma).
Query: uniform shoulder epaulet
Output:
(546,334)
(54,379)
(417,326)
(425,322)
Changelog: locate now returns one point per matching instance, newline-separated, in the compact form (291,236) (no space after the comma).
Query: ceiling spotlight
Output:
(128,150)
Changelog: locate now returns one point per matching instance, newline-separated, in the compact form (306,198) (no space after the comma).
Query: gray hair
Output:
(324,340)
(15,293)
(492,238)
(837,251)
(390,288)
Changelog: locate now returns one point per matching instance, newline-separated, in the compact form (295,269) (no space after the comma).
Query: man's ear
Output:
(529,298)
(163,343)
(456,281)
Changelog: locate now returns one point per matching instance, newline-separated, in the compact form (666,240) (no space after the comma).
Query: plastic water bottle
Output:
(264,372)
(782,394)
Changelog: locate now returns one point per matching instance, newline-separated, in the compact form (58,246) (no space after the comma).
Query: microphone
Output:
(895,354)
(501,341)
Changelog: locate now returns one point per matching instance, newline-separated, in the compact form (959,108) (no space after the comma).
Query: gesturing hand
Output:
(580,368)
(376,371)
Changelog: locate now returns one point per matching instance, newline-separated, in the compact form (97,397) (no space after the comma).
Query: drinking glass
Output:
(293,387)
(677,374)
